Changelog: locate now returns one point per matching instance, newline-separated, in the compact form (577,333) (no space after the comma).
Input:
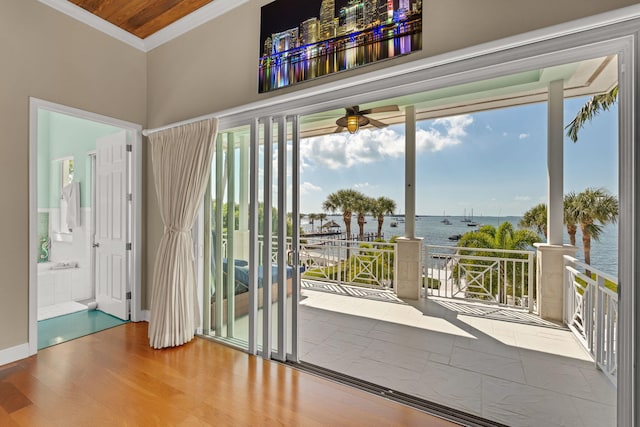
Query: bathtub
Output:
(62,282)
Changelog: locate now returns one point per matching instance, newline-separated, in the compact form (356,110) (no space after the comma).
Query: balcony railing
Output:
(366,264)
(591,312)
(494,276)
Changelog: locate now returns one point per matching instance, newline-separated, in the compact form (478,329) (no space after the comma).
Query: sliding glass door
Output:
(251,238)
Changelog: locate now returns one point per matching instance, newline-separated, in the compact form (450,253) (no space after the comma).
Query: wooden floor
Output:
(113,378)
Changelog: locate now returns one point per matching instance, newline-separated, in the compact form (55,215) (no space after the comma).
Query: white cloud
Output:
(364,185)
(307,188)
(335,151)
(524,136)
(522,198)
(489,128)
(505,134)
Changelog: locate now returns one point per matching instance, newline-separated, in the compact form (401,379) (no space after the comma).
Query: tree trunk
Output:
(586,244)
(347,223)
(571,229)
(380,221)
(361,227)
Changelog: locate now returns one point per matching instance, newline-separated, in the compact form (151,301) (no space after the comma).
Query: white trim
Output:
(201,16)
(34,105)
(334,91)
(88,18)
(629,265)
(145,315)
(195,19)
(11,354)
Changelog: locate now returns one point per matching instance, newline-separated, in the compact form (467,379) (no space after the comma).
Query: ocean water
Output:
(604,253)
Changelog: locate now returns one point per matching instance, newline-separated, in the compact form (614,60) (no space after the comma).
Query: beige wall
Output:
(49,56)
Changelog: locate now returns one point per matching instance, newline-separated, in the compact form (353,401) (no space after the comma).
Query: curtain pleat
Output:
(181,159)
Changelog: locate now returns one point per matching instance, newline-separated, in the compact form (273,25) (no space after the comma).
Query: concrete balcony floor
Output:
(501,364)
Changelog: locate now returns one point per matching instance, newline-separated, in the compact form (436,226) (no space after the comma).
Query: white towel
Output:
(71,194)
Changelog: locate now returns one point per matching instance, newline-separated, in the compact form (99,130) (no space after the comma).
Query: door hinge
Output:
(129,148)
(130,197)
(129,246)
(128,295)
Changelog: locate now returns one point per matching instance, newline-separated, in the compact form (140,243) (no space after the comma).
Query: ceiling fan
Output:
(354,118)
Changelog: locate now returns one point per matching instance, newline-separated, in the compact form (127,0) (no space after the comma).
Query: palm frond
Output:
(594,105)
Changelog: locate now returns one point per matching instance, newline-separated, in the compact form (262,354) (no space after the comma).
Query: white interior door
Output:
(111,236)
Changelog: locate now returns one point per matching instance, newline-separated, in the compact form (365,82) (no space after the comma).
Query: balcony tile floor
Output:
(512,368)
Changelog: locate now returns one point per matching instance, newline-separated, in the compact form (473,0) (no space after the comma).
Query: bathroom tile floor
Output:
(55,310)
(71,326)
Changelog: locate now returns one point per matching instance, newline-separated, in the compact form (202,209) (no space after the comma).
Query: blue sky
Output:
(493,162)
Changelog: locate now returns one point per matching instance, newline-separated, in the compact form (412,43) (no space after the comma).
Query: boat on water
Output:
(393,224)
(455,237)
(470,222)
(445,220)
(464,218)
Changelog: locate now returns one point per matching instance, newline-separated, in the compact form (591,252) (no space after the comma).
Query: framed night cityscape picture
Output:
(302,40)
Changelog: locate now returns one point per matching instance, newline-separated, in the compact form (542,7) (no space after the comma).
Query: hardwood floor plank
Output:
(114,378)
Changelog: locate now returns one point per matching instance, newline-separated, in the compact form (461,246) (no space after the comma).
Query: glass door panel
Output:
(228,205)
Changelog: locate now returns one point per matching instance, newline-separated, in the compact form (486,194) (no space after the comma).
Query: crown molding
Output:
(201,16)
(204,14)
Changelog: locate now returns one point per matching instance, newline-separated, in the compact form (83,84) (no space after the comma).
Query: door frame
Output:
(135,130)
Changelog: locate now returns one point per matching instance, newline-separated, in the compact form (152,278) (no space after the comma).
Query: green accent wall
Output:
(60,136)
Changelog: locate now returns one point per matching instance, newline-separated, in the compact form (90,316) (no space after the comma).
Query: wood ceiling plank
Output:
(151,24)
(141,17)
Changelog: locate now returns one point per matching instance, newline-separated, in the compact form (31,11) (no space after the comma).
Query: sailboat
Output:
(464,218)
(445,220)
(471,222)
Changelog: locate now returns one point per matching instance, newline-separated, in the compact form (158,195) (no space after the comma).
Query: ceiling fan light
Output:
(353,124)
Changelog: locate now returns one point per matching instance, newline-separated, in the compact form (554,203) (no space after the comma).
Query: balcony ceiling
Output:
(583,78)
(141,18)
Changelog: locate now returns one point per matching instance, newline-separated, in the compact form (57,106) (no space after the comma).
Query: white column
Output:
(410,173)
(409,248)
(550,277)
(550,264)
(555,159)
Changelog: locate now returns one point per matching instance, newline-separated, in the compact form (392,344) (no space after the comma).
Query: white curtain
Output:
(181,158)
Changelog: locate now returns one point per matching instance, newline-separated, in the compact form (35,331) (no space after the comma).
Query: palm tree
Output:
(312,217)
(362,207)
(343,200)
(570,219)
(382,206)
(536,218)
(503,237)
(321,217)
(594,205)
(591,109)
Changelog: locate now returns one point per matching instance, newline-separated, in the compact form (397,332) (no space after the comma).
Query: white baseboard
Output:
(12,354)
(145,315)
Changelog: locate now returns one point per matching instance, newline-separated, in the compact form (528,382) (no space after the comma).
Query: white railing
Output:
(591,312)
(495,276)
(366,264)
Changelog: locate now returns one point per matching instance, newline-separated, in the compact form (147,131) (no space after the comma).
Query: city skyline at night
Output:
(300,42)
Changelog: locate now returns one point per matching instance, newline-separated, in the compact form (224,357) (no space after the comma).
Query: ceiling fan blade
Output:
(355,110)
(384,109)
(377,123)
